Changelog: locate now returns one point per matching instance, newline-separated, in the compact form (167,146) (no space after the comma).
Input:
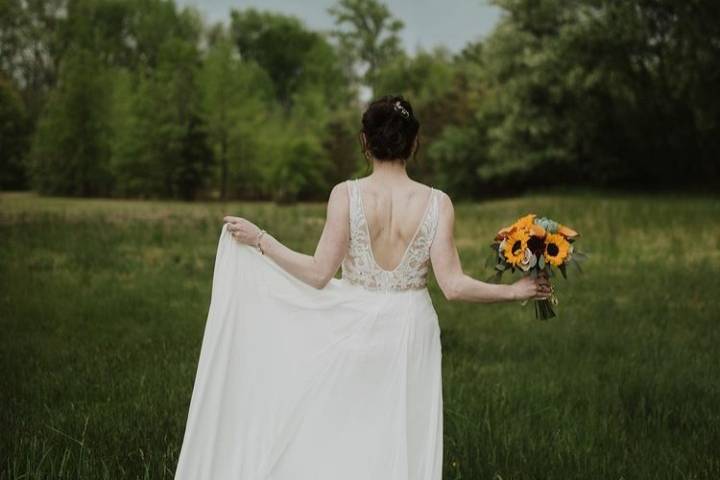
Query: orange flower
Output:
(566,232)
(537,231)
(504,232)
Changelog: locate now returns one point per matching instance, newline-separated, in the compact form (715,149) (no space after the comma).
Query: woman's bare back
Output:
(394,214)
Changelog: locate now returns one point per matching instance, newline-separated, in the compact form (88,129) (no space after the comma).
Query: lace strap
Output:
(433,214)
(353,205)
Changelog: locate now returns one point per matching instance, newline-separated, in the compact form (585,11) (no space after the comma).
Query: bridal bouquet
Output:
(534,245)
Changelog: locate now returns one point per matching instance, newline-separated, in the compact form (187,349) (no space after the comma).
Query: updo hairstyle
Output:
(390,128)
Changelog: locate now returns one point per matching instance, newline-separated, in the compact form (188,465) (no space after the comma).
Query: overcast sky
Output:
(452,23)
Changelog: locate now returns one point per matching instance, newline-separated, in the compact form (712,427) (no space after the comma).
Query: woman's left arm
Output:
(315,270)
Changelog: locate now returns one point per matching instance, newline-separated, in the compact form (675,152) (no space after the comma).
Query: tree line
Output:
(140,98)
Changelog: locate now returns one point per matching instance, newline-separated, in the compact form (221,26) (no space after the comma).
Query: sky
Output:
(452,23)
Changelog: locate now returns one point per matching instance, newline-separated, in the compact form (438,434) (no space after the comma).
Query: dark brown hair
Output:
(390,128)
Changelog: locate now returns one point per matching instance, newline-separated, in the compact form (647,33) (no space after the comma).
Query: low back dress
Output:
(299,383)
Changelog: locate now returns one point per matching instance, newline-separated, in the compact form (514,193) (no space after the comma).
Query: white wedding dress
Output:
(299,383)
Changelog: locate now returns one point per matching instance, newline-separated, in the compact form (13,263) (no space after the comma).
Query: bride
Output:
(305,376)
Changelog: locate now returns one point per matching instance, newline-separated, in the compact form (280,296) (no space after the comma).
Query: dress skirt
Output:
(299,383)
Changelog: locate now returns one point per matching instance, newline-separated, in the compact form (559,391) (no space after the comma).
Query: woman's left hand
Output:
(242,230)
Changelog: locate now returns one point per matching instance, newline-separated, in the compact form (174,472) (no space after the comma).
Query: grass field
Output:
(103,304)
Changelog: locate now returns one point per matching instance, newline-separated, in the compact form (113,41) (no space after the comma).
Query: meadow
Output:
(103,305)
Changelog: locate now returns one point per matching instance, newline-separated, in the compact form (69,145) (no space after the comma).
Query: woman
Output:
(304,376)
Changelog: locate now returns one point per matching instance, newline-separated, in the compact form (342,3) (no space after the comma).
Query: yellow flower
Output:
(525,222)
(556,249)
(515,245)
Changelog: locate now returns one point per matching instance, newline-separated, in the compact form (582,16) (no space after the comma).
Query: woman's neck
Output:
(389,171)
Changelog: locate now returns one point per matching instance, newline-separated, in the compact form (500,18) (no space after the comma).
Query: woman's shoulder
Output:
(443,199)
(439,193)
(340,189)
(425,186)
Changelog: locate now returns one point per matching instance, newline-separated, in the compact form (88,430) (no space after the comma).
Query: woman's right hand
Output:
(529,288)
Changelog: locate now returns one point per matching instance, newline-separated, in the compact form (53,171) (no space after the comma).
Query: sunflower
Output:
(525,222)
(557,249)
(515,245)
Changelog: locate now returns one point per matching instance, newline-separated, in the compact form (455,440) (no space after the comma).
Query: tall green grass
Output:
(103,304)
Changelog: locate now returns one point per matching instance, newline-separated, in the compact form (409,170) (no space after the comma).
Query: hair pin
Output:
(399,108)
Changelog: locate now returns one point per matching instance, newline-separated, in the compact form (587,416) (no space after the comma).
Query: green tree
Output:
(31,49)
(602,92)
(285,49)
(237,96)
(297,141)
(14,136)
(71,147)
(428,81)
(152,155)
(196,156)
(367,33)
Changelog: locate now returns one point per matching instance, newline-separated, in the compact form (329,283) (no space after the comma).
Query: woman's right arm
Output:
(456,285)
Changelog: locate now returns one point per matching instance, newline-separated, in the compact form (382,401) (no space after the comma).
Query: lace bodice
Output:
(359,265)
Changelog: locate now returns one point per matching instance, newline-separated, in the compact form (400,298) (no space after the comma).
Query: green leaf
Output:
(494,278)
(579,256)
(490,260)
(577,264)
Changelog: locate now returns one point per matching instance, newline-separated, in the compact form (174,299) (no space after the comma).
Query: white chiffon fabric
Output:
(299,383)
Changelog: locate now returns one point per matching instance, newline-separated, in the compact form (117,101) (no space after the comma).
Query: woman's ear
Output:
(363,143)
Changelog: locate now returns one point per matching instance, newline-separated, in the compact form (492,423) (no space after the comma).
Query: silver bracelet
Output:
(257,242)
